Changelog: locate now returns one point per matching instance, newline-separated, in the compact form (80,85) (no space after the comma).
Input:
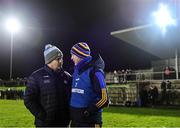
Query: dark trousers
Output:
(59,123)
(61,119)
(78,119)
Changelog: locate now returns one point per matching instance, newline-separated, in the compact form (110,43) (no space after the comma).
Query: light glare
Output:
(13,25)
(163,17)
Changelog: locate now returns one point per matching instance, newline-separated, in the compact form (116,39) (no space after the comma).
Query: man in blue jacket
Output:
(88,94)
(47,94)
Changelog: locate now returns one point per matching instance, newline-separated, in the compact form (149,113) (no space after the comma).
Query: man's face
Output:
(57,63)
(75,59)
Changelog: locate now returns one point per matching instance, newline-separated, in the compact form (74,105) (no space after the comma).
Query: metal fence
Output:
(119,78)
(122,95)
(145,93)
(13,83)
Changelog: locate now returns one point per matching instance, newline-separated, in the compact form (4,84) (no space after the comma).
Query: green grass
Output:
(12,88)
(13,113)
(141,117)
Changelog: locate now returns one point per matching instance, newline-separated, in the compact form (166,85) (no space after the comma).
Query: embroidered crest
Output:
(46,81)
(47,76)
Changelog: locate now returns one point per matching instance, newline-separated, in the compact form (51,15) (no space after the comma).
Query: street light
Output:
(13,26)
(163,19)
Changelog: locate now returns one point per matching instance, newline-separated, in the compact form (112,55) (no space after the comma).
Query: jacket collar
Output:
(52,72)
(83,62)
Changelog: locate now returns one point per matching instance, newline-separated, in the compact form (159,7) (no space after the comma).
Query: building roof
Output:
(150,39)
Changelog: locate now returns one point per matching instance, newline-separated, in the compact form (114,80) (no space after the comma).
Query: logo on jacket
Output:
(76,90)
(76,81)
(46,81)
(46,76)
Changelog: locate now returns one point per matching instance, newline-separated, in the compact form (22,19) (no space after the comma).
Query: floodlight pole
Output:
(176,64)
(11,55)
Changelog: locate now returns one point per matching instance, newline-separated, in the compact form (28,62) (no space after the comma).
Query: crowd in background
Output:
(149,95)
(152,95)
(119,76)
(6,90)
(125,75)
(11,94)
(13,82)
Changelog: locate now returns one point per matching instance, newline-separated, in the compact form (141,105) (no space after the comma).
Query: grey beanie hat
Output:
(51,53)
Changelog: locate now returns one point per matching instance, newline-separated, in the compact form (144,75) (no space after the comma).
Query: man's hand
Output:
(86,113)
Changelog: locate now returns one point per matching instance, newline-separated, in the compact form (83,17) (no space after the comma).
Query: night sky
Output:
(64,23)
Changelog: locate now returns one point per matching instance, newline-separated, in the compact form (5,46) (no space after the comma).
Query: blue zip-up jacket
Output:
(88,86)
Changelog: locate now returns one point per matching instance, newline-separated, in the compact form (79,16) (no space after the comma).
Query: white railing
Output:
(125,77)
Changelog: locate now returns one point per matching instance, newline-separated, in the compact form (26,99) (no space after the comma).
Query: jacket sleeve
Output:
(99,86)
(31,99)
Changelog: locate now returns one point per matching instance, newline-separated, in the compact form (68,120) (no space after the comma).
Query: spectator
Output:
(144,96)
(168,84)
(154,93)
(168,92)
(163,92)
(167,73)
(115,77)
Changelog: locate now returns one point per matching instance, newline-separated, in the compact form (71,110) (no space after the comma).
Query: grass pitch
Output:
(12,88)
(14,114)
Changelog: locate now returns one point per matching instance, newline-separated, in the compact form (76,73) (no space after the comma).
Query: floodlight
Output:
(13,25)
(163,17)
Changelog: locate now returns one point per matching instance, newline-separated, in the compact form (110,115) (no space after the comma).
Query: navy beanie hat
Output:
(81,50)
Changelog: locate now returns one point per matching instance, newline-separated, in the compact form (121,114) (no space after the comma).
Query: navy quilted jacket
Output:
(47,97)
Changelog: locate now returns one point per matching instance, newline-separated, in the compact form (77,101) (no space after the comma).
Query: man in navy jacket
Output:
(88,94)
(47,93)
